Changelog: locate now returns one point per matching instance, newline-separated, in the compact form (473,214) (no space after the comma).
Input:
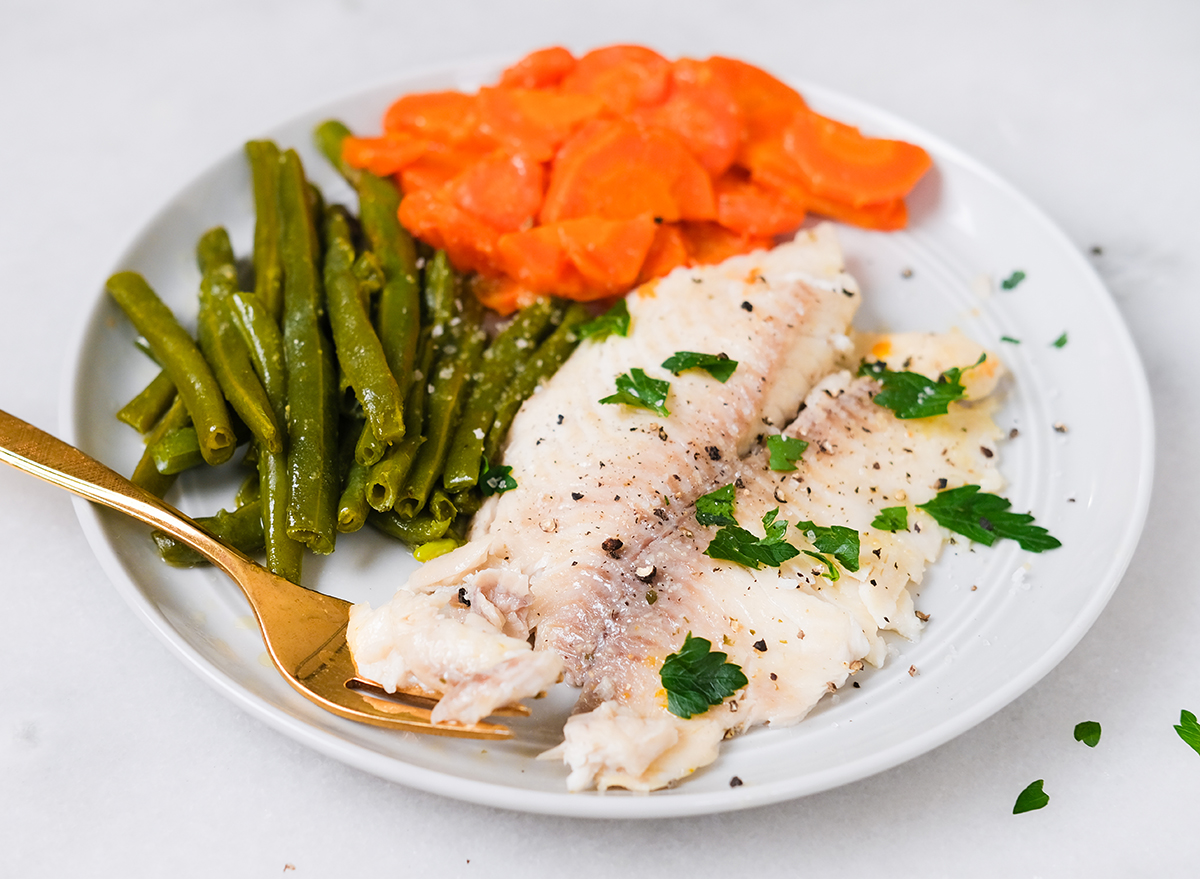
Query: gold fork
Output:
(304,631)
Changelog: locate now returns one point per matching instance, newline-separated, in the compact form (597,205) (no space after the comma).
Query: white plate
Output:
(983,647)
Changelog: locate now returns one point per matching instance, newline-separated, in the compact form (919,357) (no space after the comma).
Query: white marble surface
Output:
(116,760)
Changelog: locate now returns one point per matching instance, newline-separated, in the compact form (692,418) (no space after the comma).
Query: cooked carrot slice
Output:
(503,190)
(385,155)
(608,253)
(623,77)
(438,166)
(710,243)
(446,117)
(766,104)
(502,294)
(667,252)
(540,69)
(616,170)
(535,122)
(704,116)
(468,241)
(751,209)
(838,162)
(886,216)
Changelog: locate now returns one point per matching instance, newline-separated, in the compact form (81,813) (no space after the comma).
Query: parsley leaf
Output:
(984,517)
(1061,341)
(1088,732)
(1189,730)
(615,321)
(735,544)
(1010,339)
(716,507)
(1031,799)
(635,388)
(1012,280)
(719,366)
(785,451)
(496,480)
(840,541)
(698,677)
(912,395)
(833,574)
(891,519)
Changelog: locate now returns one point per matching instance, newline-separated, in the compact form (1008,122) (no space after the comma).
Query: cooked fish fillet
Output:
(604,514)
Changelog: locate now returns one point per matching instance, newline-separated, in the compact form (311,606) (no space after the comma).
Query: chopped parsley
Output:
(1088,732)
(785,451)
(635,388)
(1031,799)
(838,540)
(985,517)
(736,544)
(614,322)
(891,519)
(496,480)
(912,395)
(833,573)
(719,366)
(716,507)
(1011,282)
(1061,341)
(1010,339)
(698,677)
(1189,730)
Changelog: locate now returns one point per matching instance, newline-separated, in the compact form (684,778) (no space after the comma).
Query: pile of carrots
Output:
(583,177)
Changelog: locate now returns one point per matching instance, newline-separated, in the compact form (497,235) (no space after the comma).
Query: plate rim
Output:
(621,805)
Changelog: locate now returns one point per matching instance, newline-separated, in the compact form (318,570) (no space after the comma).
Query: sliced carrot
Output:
(537,260)
(667,252)
(886,216)
(540,69)
(766,104)
(468,241)
(500,293)
(704,116)
(608,253)
(623,77)
(836,161)
(450,118)
(751,209)
(503,190)
(535,122)
(710,243)
(385,155)
(438,166)
(616,170)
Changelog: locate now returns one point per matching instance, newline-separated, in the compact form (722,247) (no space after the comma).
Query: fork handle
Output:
(38,453)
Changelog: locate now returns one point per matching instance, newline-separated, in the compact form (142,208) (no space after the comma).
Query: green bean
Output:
(142,345)
(312,374)
(451,377)
(242,529)
(143,411)
(179,450)
(265,343)
(549,356)
(415,531)
(369,449)
(352,506)
(223,345)
(440,506)
(441,291)
(358,349)
(268,270)
(250,491)
(500,360)
(467,502)
(387,476)
(397,319)
(145,473)
(182,360)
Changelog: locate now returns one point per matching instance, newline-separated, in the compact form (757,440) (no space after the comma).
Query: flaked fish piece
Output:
(797,634)
(598,483)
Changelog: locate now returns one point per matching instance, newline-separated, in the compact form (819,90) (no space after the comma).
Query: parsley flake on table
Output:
(891,519)
(735,544)
(1010,339)
(1031,799)
(716,507)
(1088,732)
(833,573)
(984,517)
(1011,282)
(635,388)
(698,677)
(496,480)
(614,322)
(1189,730)
(912,395)
(785,451)
(1061,341)
(837,540)
(719,366)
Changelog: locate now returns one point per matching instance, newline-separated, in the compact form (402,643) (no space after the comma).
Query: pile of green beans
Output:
(357,369)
